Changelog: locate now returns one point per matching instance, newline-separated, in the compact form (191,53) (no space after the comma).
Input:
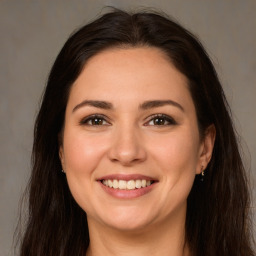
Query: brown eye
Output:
(95,120)
(161,120)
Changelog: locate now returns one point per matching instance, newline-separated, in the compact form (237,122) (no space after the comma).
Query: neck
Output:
(166,238)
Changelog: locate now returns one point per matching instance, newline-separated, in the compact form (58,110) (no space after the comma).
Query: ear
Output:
(62,158)
(61,150)
(206,148)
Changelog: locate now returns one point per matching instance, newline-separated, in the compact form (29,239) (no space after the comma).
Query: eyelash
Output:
(162,117)
(86,120)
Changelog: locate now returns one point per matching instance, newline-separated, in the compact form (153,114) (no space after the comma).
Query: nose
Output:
(127,146)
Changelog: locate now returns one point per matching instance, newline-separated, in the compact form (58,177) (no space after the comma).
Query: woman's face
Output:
(131,146)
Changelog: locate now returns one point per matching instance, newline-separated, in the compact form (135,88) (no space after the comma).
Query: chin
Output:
(129,218)
(129,226)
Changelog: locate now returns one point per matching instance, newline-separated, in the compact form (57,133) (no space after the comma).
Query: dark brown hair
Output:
(217,221)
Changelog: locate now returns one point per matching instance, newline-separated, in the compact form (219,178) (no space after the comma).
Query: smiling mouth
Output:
(127,184)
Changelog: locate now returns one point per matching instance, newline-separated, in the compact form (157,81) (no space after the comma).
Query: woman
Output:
(134,149)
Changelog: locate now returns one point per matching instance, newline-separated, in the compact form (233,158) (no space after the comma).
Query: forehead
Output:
(131,73)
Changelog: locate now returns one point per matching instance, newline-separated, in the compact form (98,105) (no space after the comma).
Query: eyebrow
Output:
(94,103)
(145,105)
(160,103)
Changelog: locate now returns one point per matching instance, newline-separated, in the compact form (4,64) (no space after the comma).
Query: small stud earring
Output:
(202,173)
(62,171)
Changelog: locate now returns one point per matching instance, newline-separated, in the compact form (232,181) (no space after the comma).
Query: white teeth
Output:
(110,183)
(115,184)
(122,184)
(129,185)
(143,183)
(138,183)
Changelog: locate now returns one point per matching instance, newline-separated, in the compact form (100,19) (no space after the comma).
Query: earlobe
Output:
(206,148)
(61,156)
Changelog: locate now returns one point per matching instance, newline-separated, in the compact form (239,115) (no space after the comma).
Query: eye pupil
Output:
(97,121)
(159,121)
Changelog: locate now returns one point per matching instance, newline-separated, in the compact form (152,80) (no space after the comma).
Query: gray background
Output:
(32,33)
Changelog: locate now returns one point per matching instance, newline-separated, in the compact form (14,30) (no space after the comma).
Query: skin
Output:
(130,140)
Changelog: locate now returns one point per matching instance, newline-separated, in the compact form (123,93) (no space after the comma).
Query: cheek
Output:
(82,152)
(82,156)
(177,156)
(177,148)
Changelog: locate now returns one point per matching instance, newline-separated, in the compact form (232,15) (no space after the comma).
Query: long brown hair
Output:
(217,220)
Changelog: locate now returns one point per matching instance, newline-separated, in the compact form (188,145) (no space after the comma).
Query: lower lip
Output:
(127,194)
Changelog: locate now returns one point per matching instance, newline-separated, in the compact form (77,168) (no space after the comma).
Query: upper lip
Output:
(126,177)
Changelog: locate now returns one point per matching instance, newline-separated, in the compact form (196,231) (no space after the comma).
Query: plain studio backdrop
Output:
(33,32)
